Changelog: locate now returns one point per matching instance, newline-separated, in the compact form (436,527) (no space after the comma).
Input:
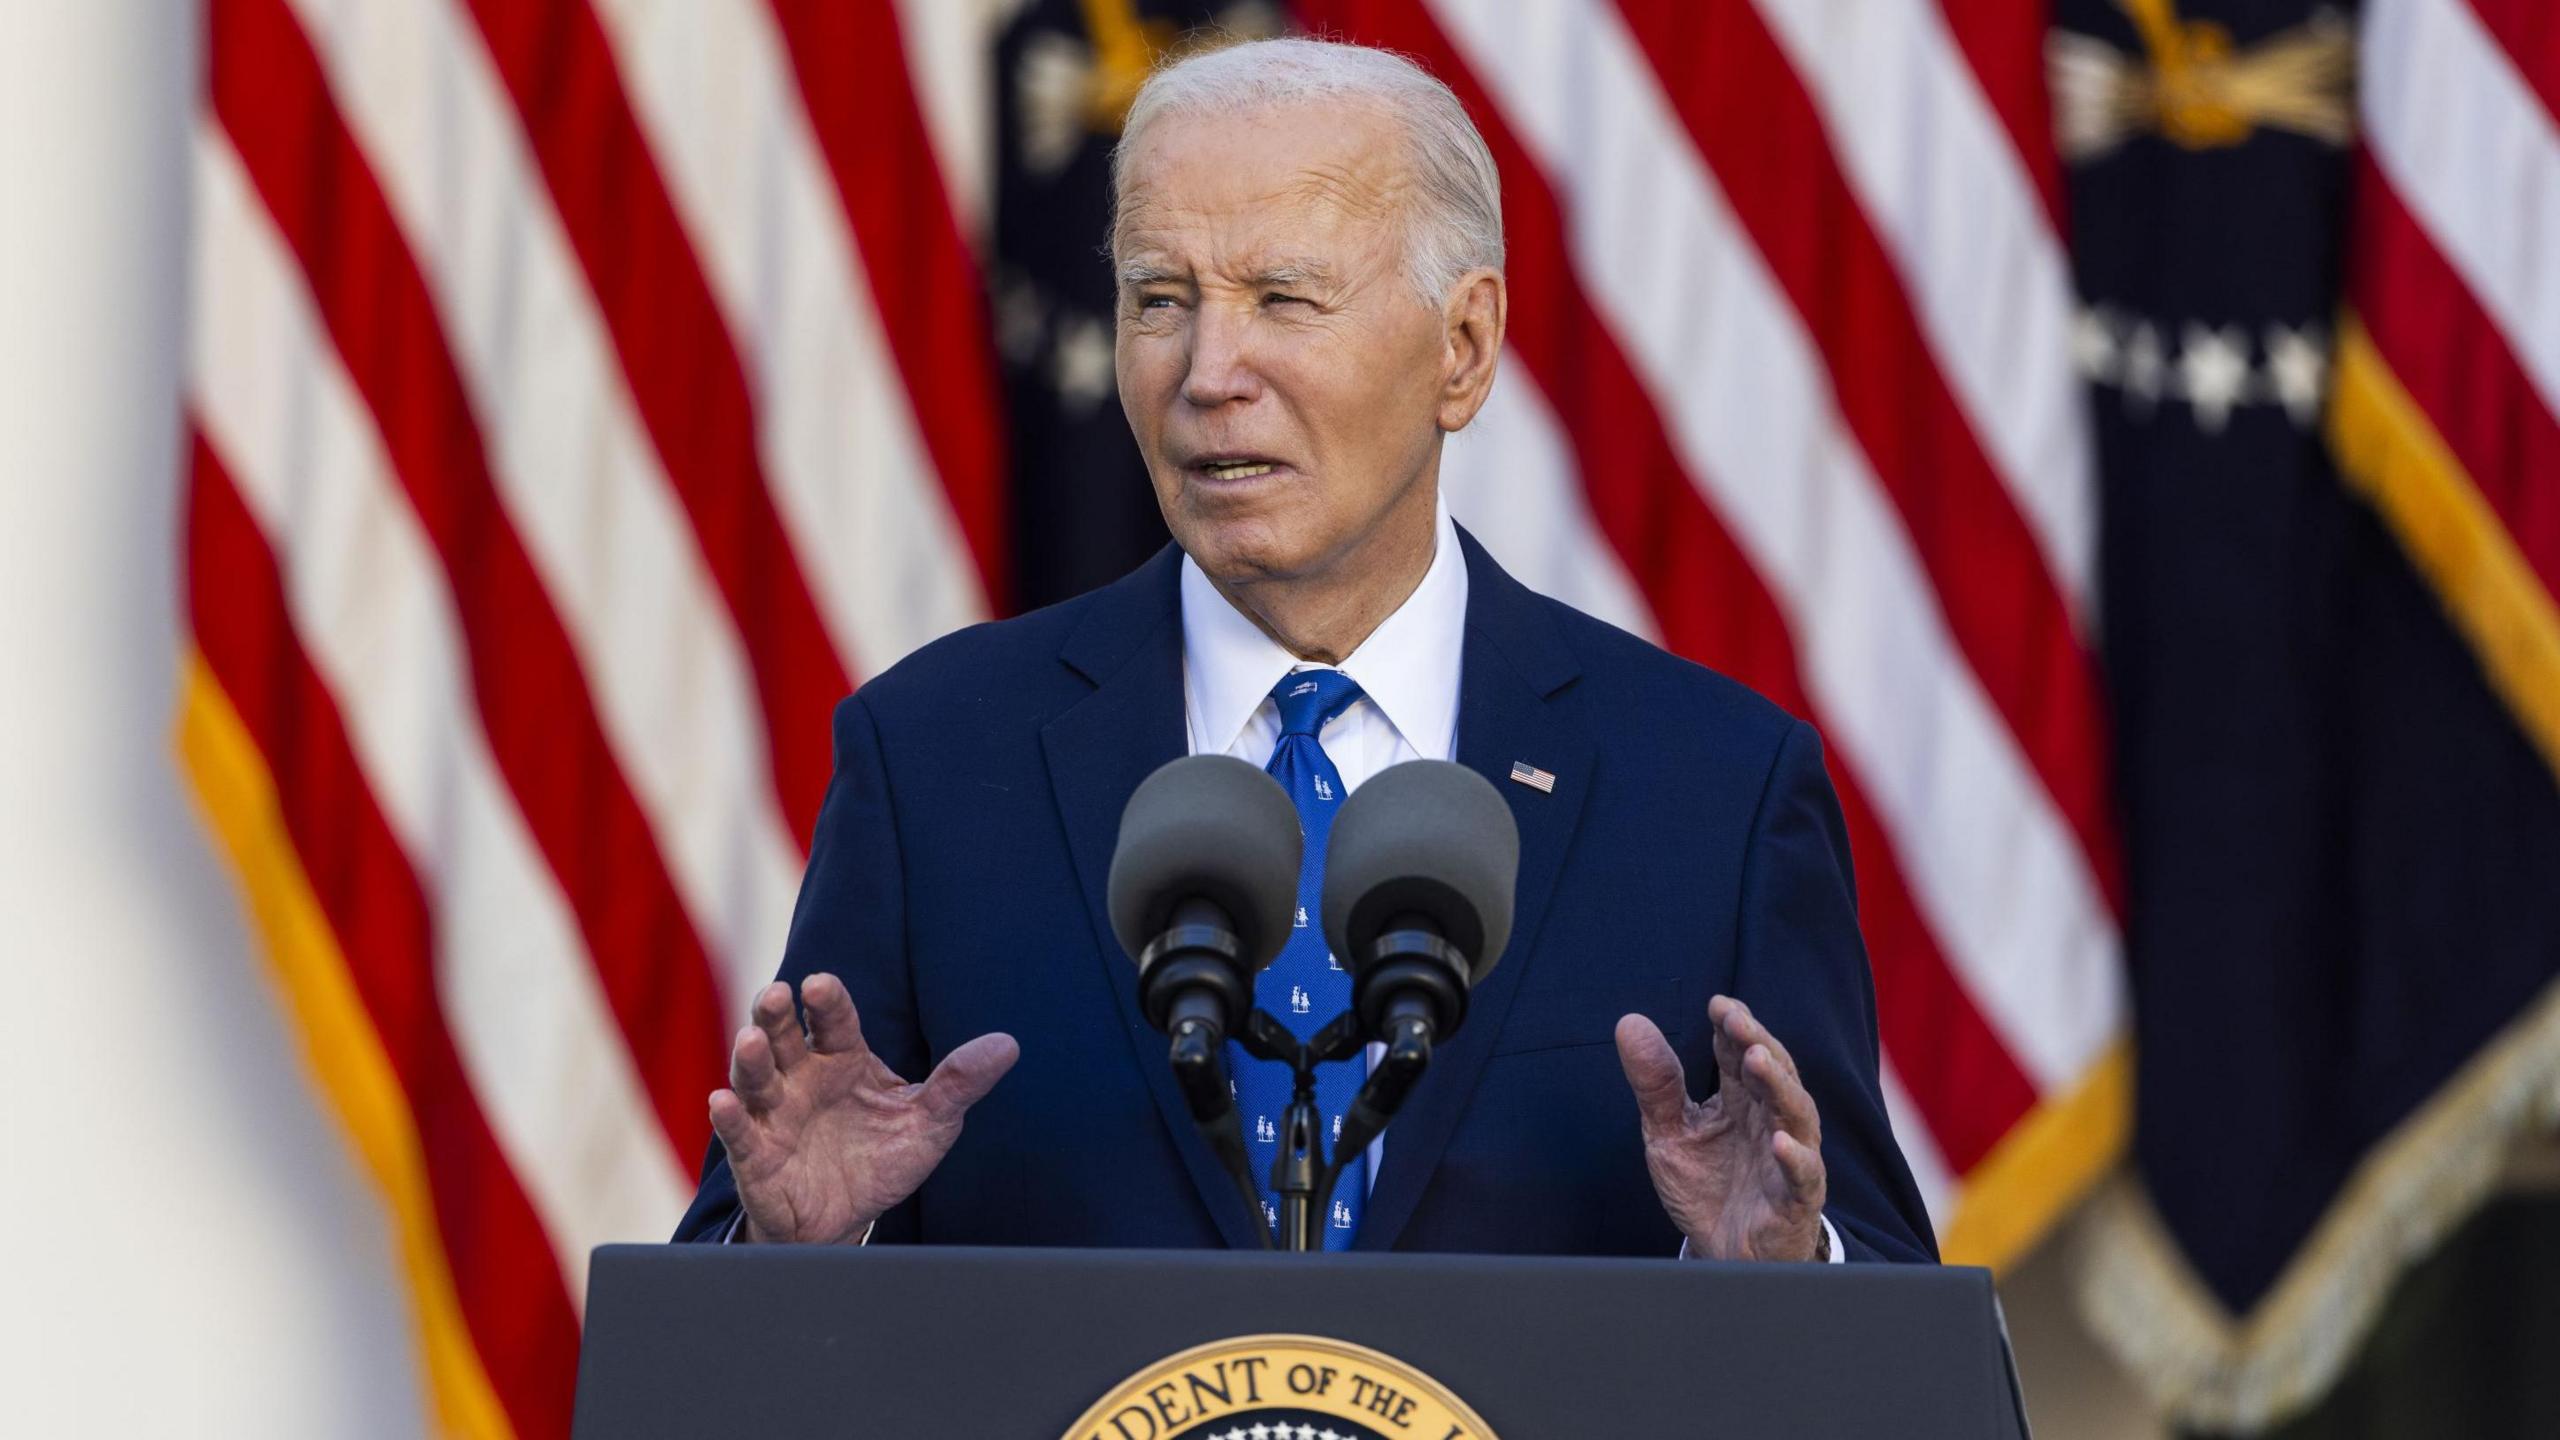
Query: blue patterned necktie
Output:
(1304,987)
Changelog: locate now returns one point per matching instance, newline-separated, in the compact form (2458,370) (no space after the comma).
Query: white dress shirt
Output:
(1407,671)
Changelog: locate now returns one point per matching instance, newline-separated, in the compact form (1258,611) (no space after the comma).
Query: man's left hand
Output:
(1740,1172)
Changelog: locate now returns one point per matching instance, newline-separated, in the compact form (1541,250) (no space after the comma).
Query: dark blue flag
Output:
(2343,846)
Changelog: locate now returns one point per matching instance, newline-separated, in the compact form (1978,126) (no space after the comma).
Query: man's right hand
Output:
(823,1137)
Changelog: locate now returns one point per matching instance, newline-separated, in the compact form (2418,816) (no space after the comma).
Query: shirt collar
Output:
(1408,667)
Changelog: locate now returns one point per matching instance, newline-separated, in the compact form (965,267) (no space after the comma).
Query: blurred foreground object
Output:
(2328,373)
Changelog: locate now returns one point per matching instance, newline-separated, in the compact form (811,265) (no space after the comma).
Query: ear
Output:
(1473,320)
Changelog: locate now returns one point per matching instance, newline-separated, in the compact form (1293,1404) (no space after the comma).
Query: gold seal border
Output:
(1132,1390)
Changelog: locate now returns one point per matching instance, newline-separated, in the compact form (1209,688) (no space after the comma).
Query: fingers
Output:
(1777,1087)
(1762,1070)
(729,1121)
(1738,1029)
(966,1075)
(773,1015)
(834,1027)
(752,1073)
(1801,1165)
(1653,1073)
(1721,1014)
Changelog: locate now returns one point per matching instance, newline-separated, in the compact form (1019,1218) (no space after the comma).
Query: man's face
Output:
(1283,380)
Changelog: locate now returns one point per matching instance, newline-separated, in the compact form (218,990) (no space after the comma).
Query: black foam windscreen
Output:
(1423,838)
(1207,827)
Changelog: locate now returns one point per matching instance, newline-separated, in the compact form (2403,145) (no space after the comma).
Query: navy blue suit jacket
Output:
(1692,845)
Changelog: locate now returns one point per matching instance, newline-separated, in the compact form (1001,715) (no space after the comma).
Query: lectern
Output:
(916,1342)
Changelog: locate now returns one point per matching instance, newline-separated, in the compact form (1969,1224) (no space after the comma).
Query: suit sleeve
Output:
(1802,968)
(851,921)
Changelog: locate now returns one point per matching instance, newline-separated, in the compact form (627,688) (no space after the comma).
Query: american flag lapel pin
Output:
(1533,777)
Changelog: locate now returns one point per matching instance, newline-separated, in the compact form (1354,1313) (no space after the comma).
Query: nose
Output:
(1221,368)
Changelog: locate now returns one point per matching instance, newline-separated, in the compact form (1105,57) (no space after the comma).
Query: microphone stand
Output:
(1304,1175)
(1301,1176)
(1201,1071)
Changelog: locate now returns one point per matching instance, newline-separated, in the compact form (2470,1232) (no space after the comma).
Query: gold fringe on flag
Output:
(2209,1371)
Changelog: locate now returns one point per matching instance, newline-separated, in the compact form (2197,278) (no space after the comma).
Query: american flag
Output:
(2447,404)
(586,393)
(1530,775)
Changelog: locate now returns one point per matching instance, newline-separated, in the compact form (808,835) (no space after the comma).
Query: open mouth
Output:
(1237,467)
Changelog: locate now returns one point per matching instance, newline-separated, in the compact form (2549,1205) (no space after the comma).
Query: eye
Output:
(1276,297)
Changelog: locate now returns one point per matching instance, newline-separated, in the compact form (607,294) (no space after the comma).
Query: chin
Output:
(1242,550)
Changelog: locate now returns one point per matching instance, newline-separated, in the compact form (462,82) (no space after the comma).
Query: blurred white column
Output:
(190,1248)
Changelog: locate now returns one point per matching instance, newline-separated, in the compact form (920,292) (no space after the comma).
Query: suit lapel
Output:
(1515,660)
(1129,645)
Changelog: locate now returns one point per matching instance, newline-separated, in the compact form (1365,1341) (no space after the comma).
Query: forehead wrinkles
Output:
(1177,191)
(1368,189)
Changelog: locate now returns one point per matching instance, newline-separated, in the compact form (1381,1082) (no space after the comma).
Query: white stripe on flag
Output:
(714,90)
(369,600)
(576,471)
(2472,152)
(1999,877)
(1984,270)
(951,55)
(1511,480)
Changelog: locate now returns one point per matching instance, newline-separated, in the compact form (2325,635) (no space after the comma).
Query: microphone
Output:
(1419,873)
(1204,891)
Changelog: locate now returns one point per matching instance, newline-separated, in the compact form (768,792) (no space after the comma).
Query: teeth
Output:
(1237,469)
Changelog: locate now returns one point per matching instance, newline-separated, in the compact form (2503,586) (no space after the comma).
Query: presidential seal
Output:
(1280,1387)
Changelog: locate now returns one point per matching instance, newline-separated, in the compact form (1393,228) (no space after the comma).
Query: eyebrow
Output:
(1292,273)
(1141,272)
(1288,273)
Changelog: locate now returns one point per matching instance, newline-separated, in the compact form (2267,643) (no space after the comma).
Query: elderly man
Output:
(1309,244)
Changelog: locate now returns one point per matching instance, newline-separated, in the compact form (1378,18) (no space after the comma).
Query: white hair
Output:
(1453,219)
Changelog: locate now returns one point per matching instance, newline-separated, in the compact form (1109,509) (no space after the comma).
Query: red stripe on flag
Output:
(2449,355)
(272,100)
(1711,605)
(2529,31)
(2003,44)
(505,1276)
(682,366)
(1758,131)
(852,67)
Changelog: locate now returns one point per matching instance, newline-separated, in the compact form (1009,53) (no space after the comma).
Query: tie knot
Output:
(1309,698)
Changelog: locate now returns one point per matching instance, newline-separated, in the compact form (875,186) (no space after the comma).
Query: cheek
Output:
(1367,417)
(1148,370)
(1127,376)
